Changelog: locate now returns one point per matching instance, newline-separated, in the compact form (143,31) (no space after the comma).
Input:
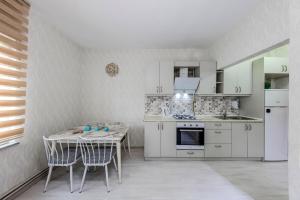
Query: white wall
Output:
(265,27)
(121,98)
(53,85)
(294,115)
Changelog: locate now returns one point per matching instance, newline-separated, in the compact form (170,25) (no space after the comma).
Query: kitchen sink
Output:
(234,118)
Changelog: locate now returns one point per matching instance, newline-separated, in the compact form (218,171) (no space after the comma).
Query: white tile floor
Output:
(162,180)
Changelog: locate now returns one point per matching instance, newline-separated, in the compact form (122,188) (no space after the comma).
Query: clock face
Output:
(112,69)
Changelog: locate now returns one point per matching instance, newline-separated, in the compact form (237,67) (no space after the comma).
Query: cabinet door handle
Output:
(218,146)
(240,89)
(250,127)
(286,68)
(157,90)
(246,127)
(218,125)
(162,126)
(190,152)
(157,126)
(218,132)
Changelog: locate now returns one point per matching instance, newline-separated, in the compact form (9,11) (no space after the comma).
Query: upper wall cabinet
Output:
(166,77)
(275,65)
(238,79)
(207,77)
(159,77)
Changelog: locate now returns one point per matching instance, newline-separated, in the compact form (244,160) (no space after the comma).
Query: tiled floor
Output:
(162,180)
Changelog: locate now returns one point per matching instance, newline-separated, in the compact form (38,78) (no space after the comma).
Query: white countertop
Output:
(202,118)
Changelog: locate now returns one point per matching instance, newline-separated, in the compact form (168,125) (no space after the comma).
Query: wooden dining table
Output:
(118,134)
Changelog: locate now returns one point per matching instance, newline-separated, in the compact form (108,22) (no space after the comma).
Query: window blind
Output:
(13,56)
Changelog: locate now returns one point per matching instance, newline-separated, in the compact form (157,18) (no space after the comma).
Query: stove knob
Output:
(184,124)
(196,125)
(191,125)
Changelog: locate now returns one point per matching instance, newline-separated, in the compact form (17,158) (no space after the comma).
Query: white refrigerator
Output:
(276,124)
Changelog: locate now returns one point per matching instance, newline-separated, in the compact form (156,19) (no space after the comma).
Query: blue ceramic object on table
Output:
(106,129)
(96,129)
(87,128)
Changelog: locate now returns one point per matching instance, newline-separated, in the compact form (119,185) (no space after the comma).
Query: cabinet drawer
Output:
(217,125)
(217,136)
(217,150)
(190,153)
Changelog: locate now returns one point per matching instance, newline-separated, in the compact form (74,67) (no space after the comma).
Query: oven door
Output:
(190,138)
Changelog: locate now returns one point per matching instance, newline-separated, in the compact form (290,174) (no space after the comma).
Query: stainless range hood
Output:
(187,80)
(186,85)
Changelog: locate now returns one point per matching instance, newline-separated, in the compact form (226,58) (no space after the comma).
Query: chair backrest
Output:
(95,150)
(59,152)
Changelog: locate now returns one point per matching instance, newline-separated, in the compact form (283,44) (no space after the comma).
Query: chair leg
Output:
(115,164)
(83,178)
(106,175)
(48,178)
(71,178)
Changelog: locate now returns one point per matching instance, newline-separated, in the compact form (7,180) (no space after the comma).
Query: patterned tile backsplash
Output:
(168,105)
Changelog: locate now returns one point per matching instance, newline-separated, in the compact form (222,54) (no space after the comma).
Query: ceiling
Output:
(121,24)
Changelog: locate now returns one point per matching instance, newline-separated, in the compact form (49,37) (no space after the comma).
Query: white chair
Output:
(97,152)
(60,153)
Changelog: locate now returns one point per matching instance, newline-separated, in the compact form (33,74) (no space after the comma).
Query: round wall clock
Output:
(112,69)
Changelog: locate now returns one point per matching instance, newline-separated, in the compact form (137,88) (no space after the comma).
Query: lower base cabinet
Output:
(190,153)
(247,140)
(236,139)
(218,150)
(160,139)
(152,139)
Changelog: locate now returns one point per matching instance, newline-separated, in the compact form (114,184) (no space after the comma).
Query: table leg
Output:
(128,144)
(119,161)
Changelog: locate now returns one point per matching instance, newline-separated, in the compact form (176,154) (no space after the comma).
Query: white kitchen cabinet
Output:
(168,139)
(217,136)
(230,80)
(256,140)
(247,140)
(218,150)
(239,140)
(192,153)
(152,139)
(152,78)
(207,77)
(276,65)
(159,77)
(166,77)
(160,139)
(238,79)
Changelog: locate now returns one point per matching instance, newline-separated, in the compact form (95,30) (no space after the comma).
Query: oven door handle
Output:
(187,130)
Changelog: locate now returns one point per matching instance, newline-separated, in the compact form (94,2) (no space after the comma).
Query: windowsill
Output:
(9,143)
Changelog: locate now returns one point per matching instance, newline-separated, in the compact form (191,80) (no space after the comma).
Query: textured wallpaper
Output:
(266,26)
(121,98)
(53,85)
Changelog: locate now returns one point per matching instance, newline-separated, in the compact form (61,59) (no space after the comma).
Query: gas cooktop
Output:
(184,117)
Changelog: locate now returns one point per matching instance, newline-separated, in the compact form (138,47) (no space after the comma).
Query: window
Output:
(13,56)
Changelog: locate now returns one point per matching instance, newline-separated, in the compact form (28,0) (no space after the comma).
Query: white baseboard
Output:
(21,188)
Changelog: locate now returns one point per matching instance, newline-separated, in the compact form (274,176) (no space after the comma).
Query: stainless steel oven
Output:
(190,135)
